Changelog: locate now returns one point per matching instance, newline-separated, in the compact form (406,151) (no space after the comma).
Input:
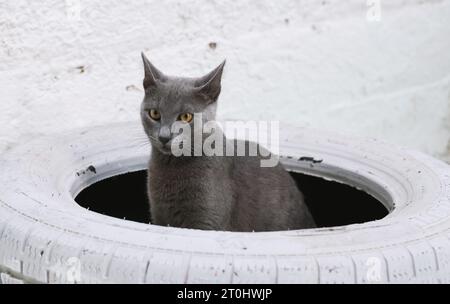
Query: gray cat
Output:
(228,193)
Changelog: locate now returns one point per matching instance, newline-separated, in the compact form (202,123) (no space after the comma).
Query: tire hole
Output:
(331,203)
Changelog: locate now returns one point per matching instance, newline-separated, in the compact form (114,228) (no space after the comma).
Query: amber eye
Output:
(186,117)
(154,114)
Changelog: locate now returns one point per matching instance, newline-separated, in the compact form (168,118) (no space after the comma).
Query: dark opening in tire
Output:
(331,203)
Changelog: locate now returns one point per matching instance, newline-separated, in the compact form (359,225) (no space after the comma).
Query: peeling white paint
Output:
(323,64)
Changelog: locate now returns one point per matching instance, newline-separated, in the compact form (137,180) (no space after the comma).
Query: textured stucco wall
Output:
(306,62)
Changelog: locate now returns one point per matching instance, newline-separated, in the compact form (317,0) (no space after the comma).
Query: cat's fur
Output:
(211,193)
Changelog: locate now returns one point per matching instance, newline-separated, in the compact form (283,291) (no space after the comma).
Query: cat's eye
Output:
(154,114)
(186,117)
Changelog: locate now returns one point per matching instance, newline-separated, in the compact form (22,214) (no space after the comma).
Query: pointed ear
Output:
(209,86)
(152,74)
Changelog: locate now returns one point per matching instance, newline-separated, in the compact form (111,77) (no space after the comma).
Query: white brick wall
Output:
(307,62)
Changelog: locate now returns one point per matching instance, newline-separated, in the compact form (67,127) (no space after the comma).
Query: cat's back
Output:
(267,197)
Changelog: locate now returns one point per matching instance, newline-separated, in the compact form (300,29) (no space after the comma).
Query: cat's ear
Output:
(209,86)
(152,74)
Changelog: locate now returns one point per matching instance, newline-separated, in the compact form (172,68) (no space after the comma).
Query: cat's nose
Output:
(164,139)
(164,135)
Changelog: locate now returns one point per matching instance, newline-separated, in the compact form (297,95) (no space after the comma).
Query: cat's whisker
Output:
(142,145)
(141,138)
(141,141)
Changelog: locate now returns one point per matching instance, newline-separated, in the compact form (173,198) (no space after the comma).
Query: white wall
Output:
(306,62)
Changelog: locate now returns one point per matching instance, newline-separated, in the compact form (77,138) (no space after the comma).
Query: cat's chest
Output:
(177,183)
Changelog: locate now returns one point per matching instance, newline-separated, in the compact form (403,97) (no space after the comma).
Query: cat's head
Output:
(175,99)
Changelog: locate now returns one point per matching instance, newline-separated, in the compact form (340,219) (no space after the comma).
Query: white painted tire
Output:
(46,237)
